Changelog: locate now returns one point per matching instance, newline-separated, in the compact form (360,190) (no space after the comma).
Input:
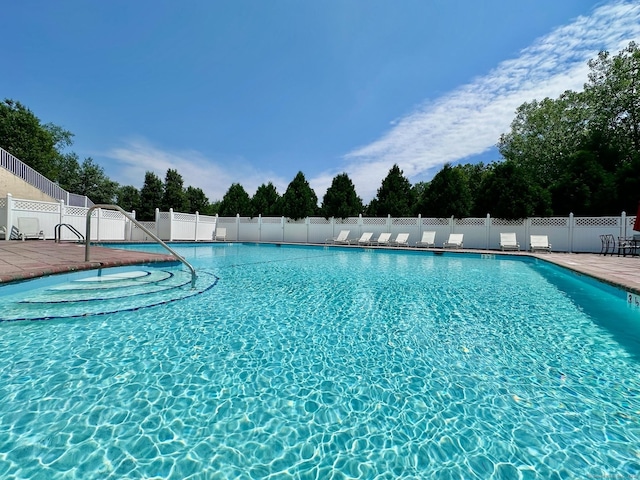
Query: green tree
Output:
(614,97)
(151,195)
(448,194)
(68,174)
(197,201)
(508,192)
(37,145)
(544,134)
(235,201)
(173,196)
(341,200)
(395,196)
(95,184)
(299,200)
(128,198)
(266,201)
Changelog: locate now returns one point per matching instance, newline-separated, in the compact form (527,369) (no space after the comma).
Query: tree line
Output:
(578,153)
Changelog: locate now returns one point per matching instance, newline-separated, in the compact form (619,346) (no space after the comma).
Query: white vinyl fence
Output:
(566,234)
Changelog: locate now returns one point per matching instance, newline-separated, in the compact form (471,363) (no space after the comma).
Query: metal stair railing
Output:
(58,235)
(140,226)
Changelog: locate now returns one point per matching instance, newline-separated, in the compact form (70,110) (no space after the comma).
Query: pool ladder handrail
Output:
(141,227)
(58,233)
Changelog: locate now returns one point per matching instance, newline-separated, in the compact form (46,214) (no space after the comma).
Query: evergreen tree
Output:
(341,200)
(299,200)
(173,192)
(448,194)
(395,196)
(128,198)
(235,201)
(265,202)
(150,196)
(197,201)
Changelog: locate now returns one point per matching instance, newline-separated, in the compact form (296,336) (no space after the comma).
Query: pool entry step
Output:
(105,293)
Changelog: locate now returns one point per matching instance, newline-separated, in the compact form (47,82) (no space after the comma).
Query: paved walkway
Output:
(37,258)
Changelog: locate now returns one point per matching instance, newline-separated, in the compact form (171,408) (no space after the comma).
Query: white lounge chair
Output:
(29,227)
(428,240)
(401,240)
(540,242)
(365,239)
(342,238)
(383,239)
(508,241)
(455,241)
(221,234)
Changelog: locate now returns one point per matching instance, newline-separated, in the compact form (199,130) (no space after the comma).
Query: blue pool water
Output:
(302,362)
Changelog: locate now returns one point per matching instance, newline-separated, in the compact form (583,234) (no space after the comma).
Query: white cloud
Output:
(469,120)
(138,156)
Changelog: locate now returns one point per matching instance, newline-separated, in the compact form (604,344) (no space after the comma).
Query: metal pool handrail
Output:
(143,228)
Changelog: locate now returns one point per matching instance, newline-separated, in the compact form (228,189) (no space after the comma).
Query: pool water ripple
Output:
(313,363)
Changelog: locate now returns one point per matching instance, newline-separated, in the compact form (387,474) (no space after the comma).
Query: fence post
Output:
(451,224)
(623,224)
(487,225)
(259,227)
(282,226)
(389,223)
(7,235)
(571,220)
(307,222)
(195,233)
(61,216)
(157,222)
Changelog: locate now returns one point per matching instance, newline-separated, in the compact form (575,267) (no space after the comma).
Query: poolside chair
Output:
(29,227)
(455,241)
(342,238)
(401,240)
(508,241)
(365,239)
(540,242)
(428,240)
(383,239)
(221,234)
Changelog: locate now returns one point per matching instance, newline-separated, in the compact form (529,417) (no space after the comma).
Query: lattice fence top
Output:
(148,225)
(631,221)
(596,221)
(78,211)
(164,215)
(184,217)
(404,221)
(227,220)
(245,220)
(346,221)
(207,219)
(319,221)
(113,214)
(36,206)
(507,223)
(300,221)
(3,202)
(273,220)
(475,222)
(550,222)
(435,221)
(374,221)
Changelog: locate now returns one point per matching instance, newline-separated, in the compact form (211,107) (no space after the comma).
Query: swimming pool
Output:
(307,362)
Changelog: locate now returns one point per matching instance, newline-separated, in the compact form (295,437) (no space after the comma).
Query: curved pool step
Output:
(105,294)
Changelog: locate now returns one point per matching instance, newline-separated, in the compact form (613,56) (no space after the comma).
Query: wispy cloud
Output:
(469,120)
(214,176)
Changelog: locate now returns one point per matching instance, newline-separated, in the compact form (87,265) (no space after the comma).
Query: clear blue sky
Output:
(251,91)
